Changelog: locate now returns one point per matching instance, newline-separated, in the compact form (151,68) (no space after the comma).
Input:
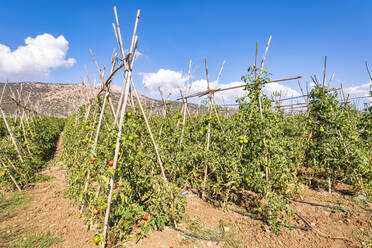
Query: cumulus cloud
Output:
(359,90)
(167,80)
(284,91)
(171,81)
(35,59)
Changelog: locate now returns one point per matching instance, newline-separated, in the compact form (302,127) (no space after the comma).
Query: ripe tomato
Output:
(146,216)
(3,174)
(95,212)
(111,163)
(94,160)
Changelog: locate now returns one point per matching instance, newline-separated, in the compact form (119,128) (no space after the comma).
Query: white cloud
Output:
(169,82)
(34,60)
(284,91)
(359,90)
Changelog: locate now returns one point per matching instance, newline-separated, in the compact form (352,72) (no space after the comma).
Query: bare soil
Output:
(51,210)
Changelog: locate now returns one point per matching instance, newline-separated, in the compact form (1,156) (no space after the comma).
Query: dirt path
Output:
(49,209)
(330,228)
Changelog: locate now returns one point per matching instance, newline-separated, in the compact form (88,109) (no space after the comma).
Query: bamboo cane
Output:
(11,177)
(122,111)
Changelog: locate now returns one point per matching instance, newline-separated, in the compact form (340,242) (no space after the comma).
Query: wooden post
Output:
(122,108)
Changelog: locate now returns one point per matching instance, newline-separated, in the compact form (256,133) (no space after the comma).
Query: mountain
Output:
(63,99)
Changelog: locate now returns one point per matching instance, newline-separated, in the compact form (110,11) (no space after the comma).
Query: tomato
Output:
(310,140)
(134,125)
(96,239)
(245,141)
(94,160)
(104,207)
(111,163)
(241,137)
(124,138)
(136,136)
(201,133)
(129,114)
(3,174)
(146,216)
(241,141)
(130,137)
(95,212)
(321,129)
(336,149)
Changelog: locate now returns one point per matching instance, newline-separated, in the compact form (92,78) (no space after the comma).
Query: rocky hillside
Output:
(62,99)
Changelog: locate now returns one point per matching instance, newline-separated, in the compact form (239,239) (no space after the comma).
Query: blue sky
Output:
(173,32)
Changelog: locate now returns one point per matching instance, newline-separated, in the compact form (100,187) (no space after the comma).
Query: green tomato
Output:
(130,137)
(241,141)
(96,239)
(136,136)
(134,125)
(336,149)
(245,141)
(241,137)
(124,138)
(201,132)
(321,129)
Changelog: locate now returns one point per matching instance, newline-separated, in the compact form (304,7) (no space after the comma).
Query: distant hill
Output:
(63,99)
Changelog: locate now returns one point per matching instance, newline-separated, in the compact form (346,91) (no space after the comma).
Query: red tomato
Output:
(95,212)
(146,216)
(94,160)
(111,163)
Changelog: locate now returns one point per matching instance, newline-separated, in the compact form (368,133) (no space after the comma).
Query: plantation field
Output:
(131,174)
